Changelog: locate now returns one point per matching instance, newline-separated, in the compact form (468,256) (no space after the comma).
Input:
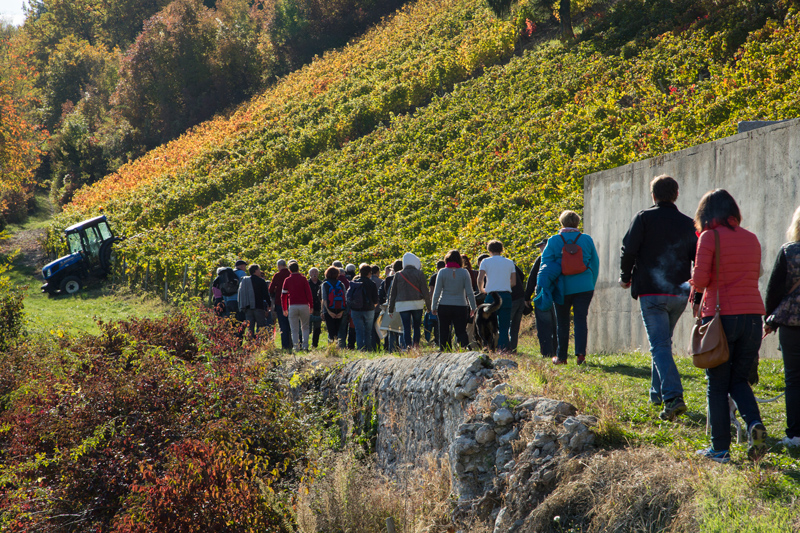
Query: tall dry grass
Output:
(353,496)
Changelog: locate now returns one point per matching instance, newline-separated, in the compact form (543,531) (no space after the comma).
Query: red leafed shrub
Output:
(204,487)
(152,425)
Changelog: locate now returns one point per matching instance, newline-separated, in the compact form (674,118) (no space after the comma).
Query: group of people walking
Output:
(667,260)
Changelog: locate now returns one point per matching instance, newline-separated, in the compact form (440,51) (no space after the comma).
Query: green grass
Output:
(78,313)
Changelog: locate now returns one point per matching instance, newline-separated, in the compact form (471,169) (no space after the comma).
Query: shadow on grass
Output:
(626,370)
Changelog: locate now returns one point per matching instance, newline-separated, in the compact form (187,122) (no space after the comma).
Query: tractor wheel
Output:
(107,257)
(70,285)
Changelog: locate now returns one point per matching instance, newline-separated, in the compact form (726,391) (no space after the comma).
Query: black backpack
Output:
(229,282)
(357,296)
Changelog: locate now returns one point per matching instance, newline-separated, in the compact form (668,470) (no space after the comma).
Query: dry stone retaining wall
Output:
(457,408)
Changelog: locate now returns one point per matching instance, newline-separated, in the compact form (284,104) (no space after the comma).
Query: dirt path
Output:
(28,238)
(28,242)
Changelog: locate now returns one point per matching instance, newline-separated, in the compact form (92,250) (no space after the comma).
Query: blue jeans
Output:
(363,323)
(410,318)
(285,327)
(660,313)
(579,304)
(503,318)
(546,330)
(743,333)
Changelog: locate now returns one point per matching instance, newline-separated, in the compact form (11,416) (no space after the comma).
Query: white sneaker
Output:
(794,441)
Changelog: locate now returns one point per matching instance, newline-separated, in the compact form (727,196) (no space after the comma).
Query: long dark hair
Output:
(716,208)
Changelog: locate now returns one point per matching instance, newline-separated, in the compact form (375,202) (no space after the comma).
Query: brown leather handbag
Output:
(709,347)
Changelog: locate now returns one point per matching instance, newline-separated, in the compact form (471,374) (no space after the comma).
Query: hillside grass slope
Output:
(498,156)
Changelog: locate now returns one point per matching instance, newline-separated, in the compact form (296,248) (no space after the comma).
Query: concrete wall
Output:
(760,168)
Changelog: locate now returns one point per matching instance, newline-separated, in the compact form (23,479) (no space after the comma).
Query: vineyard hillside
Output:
(435,136)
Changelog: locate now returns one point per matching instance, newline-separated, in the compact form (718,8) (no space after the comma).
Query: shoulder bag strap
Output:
(794,287)
(412,285)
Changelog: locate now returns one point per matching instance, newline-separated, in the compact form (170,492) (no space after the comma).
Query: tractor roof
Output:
(85,224)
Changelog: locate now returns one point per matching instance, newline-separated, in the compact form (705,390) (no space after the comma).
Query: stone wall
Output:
(760,168)
(457,408)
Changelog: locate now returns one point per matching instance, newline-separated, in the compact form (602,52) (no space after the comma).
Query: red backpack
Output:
(572,257)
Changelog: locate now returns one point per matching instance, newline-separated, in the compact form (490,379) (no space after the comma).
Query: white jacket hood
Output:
(413,260)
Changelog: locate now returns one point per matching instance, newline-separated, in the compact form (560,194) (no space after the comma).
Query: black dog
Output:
(486,330)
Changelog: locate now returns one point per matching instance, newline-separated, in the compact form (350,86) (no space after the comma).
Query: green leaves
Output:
(498,156)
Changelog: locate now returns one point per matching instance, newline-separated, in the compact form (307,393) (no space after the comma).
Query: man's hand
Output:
(767,329)
(624,285)
(435,312)
(286,314)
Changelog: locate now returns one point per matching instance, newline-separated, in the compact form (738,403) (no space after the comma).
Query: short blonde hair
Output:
(793,233)
(569,219)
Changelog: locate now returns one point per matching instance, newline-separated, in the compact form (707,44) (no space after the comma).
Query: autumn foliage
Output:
(498,154)
(153,425)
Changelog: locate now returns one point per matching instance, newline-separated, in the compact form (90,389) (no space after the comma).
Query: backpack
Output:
(572,257)
(229,282)
(335,296)
(357,296)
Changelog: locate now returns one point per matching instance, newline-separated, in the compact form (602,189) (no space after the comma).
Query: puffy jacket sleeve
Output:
(426,293)
(776,288)
(703,261)
(551,256)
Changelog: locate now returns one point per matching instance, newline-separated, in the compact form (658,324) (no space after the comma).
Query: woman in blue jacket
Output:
(572,292)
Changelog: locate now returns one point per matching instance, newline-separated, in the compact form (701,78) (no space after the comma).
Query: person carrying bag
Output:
(726,268)
(709,347)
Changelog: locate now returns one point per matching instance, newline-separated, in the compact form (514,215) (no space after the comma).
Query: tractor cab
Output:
(90,244)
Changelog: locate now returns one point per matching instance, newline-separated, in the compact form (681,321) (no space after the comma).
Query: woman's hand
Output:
(767,329)
(435,312)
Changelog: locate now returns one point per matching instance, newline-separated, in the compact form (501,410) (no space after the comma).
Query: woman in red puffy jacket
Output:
(741,311)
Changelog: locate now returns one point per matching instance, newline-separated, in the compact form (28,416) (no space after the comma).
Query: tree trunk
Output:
(566,21)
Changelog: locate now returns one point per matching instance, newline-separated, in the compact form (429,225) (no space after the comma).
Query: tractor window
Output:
(74,243)
(93,241)
(105,231)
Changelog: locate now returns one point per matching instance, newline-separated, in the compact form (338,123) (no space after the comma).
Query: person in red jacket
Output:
(741,309)
(297,303)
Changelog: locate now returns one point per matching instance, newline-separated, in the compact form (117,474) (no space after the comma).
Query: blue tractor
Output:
(90,255)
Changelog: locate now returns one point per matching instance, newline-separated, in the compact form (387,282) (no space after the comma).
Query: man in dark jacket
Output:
(275,289)
(362,298)
(656,264)
(545,320)
(517,308)
(316,314)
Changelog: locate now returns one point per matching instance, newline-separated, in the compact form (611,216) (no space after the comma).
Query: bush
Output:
(12,319)
(124,430)
(12,309)
(202,487)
